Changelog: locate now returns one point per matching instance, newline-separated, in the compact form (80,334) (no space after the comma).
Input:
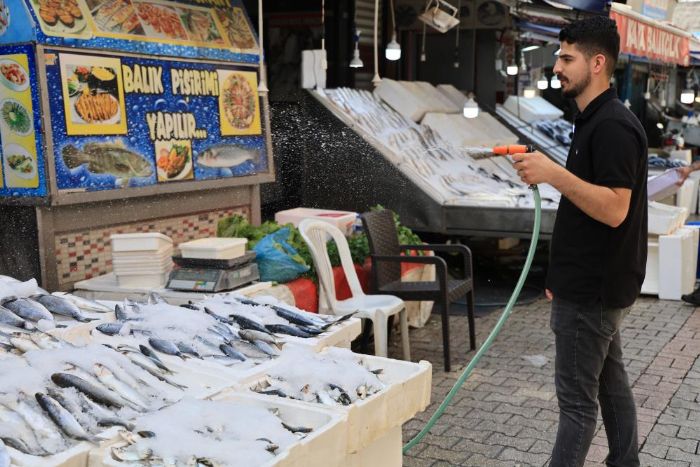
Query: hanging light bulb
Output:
(422,49)
(356,61)
(393,49)
(662,101)
(627,103)
(523,65)
(512,69)
(262,84)
(687,96)
(530,48)
(471,108)
(697,100)
(529,93)
(555,83)
(660,126)
(542,83)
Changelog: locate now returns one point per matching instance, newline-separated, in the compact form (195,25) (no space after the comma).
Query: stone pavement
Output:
(506,413)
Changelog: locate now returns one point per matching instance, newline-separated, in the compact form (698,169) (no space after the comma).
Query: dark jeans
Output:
(589,367)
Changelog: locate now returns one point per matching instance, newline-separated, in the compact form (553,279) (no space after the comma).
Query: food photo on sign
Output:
(136,122)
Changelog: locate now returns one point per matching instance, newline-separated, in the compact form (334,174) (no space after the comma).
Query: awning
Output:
(644,37)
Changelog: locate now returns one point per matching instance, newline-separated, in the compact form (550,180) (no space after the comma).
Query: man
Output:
(598,248)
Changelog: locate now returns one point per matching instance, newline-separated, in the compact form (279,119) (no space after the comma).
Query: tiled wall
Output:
(88,253)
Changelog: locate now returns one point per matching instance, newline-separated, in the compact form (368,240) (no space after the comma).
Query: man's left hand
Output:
(535,168)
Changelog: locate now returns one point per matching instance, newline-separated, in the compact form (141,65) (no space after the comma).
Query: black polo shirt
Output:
(590,261)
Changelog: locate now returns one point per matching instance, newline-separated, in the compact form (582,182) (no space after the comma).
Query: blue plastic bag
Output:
(277,260)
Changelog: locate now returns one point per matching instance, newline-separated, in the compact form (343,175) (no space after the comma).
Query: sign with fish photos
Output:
(21,163)
(156,121)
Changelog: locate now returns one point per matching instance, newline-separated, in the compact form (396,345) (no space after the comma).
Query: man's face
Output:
(573,69)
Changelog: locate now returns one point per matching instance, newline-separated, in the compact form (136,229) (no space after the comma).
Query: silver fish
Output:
(107,158)
(47,435)
(251,336)
(232,353)
(10,318)
(62,417)
(267,348)
(28,309)
(106,377)
(96,393)
(187,349)
(226,155)
(153,371)
(166,347)
(61,306)
(83,303)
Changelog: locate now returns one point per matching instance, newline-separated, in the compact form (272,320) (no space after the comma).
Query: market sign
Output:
(655,43)
(121,122)
(21,163)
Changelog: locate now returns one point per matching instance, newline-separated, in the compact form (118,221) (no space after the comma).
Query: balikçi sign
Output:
(644,40)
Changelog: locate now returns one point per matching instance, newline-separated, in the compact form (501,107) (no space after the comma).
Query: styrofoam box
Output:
(400,99)
(164,252)
(678,255)
(76,456)
(143,281)
(214,248)
(663,185)
(341,219)
(385,451)
(529,110)
(651,278)
(665,219)
(140,241)
(325,446)
(453,94)
(407,392)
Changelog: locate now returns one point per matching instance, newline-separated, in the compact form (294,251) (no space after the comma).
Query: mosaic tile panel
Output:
(85,254)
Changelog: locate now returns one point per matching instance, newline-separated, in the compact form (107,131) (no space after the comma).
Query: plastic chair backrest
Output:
(315,234)
(383,239)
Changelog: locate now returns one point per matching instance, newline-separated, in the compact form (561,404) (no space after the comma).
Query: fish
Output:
(63,307)
(28,309)
(293,317)
(96,393)
(289,330)
(48,437)
(226,155)
(232,353)
(155,373)
(343,396)
(248,349)
(110,329)
(4,455)
(15,443)
(247,323)
(297,429)
(155,299)
(153,357)
(10,318)
(67,403)
(83,303)
(217,317)
(112,421)
(166,347)
(251,335)
(188,349)
(310,330)
(266,348)
(62,418)
(106,377)
(107,158)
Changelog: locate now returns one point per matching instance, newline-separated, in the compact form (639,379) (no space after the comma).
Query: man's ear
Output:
(600,64)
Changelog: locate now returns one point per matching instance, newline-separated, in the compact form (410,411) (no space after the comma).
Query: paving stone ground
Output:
(506,413)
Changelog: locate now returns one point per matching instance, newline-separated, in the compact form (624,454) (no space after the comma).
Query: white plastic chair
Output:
(376,308)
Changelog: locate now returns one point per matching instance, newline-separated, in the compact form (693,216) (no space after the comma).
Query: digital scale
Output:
(213,275)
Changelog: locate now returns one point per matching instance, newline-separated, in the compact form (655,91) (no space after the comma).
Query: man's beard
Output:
(577,88)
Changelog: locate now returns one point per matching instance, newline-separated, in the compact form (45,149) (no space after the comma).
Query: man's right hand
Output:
(548,293)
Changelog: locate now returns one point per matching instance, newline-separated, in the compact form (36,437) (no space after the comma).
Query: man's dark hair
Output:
(594,35)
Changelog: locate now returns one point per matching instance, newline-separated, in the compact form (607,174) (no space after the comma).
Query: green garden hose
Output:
(496,330)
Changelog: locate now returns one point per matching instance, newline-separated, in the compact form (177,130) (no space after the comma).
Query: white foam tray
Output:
(76,456)
(154,241)
(407,393)
(324,447)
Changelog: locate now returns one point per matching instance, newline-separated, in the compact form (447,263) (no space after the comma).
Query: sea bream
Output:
(107,158)
(226,155)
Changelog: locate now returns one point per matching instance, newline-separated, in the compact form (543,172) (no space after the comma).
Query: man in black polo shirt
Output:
(598,249)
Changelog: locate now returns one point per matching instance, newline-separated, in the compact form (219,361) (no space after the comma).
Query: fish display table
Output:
(119,118)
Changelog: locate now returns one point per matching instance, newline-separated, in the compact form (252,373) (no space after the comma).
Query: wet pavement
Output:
(506,413)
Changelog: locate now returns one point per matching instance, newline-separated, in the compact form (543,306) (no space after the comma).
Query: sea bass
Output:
(226,155)
(107,158)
